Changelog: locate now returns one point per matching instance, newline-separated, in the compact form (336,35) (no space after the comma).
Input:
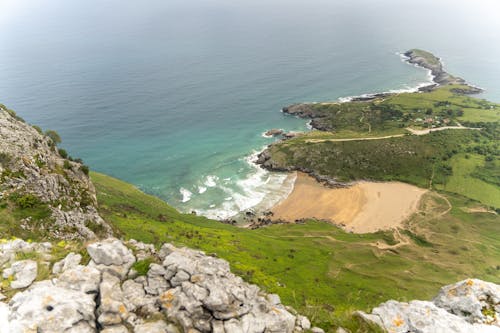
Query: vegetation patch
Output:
(142,266)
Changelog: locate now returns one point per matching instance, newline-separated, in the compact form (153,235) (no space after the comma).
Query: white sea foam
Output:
(260,190)
(202,189)
(211,181)
(186,194)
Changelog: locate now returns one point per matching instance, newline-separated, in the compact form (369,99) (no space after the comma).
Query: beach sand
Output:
(361,208)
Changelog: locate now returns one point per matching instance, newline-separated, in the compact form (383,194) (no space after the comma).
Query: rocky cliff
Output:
(34,176)
(114,286)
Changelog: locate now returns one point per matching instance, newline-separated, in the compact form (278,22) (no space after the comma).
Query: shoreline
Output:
(360,208)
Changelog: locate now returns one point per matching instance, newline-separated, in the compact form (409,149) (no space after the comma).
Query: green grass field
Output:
(316,267)
(463,181)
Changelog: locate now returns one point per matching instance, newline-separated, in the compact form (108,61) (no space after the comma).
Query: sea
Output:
(174,96)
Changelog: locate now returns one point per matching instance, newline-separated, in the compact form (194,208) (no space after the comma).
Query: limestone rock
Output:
(4,318)
(72,260)
(111,255)
(195,292)
(24,272)
(303,322)
(81,278)
(115,329)
(156,327)
(50,308)
(112,309)
(471,300)
(207,296)
(448,312)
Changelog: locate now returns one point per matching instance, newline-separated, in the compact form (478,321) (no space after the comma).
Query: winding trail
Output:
(411,130)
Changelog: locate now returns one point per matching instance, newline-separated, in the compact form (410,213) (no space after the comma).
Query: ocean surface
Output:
(173,96)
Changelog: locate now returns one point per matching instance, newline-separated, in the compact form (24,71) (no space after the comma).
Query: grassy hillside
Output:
(316,267)
(391,114)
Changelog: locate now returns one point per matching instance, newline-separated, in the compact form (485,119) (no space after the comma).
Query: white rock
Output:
(112,309)
(112,256)
(274,299)
(81,278)
(4,318)
(24,272)
(71,261)
(50,308)
(419,316)
(303,322)
(468,298)
(156,327)
(115,329)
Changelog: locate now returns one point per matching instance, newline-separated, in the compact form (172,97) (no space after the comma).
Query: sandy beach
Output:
(361,208)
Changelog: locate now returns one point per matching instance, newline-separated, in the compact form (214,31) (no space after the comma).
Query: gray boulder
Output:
(45,308)
(81,278)
(112,256)
(71,261)
(112,309)
(474,300)
(156,327)
(24,272)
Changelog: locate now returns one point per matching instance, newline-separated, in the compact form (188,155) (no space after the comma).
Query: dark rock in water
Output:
(274,132)
(249,213)
(302,110)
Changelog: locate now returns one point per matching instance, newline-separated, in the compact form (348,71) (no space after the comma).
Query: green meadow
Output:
(316,267)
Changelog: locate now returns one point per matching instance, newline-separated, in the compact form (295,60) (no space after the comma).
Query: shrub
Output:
(97,228)
(54,136)
(25,201)
(37,128)
(39,162)
(5,158)
(142,266)
(63,153)
(67,164)
(84,169)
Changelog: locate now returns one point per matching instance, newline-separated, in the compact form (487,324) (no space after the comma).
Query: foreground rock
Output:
(183,290)
(33,174)
(465,307)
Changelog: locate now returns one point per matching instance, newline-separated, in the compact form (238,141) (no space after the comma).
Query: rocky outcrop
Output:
(182,290)
(465,307)
(302,110)
(429,61)
(273,132)
(33,173)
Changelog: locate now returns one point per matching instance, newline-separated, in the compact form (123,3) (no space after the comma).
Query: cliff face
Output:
(34,176)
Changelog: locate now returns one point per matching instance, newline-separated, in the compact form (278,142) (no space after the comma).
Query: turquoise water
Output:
(173,96)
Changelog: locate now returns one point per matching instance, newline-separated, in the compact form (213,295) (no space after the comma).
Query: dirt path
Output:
(355,139)
(411,130)
(402,240)
(429,130)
